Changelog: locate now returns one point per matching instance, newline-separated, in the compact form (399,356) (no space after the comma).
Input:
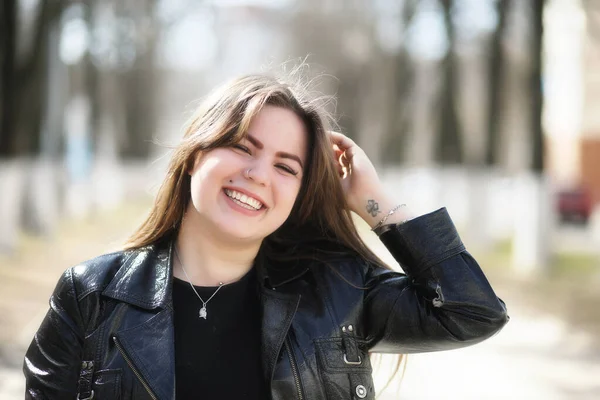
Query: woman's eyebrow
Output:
(294,157)
(282,154)
(257,143)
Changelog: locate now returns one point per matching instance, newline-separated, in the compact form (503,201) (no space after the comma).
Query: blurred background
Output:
(487,107)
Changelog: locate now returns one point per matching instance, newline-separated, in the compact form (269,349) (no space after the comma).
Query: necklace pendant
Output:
(203,312)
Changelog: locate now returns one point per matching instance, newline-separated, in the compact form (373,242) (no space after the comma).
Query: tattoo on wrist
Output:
(373,208)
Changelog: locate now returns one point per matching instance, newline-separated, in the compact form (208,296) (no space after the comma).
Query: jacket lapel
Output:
(146,333)
(150,346)
(278,312)
(145,277)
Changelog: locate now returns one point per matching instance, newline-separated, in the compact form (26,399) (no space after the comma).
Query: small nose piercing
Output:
(247,173)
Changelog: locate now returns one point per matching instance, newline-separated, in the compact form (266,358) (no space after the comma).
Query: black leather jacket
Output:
(110,324)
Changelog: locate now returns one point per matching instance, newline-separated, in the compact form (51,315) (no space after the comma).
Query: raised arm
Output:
(444,300)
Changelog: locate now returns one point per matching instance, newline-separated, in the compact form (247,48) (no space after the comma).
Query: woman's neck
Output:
(209,259)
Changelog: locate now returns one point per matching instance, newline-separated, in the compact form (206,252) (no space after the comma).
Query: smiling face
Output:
(248,190)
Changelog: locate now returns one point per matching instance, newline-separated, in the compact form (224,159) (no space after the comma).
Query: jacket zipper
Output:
(294,368)
(135,371)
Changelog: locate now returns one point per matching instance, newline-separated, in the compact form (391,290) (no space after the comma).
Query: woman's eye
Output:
(287,169)
(242,148)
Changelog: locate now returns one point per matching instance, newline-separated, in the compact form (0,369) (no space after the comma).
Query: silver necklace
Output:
(203,313)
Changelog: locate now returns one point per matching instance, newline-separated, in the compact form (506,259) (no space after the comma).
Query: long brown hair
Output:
(320,222)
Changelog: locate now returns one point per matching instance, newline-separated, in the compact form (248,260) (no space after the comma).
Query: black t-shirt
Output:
(218,357)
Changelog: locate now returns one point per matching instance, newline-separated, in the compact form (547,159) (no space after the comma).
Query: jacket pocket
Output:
(345,377)
(107,384)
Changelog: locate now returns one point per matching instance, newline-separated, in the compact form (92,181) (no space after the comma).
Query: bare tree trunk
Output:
(534,221)
(400,116)
(479,197)
(375,106)
(421,139)
(449,148)
(496,83)
(537,100)
(347,105)
(24,120)
(139,86)
(8,44)
(92,77)
(31,83)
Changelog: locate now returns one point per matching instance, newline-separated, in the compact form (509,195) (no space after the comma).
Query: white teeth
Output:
(243,200)
(244,205)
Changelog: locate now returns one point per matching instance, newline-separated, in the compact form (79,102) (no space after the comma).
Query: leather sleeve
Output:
(442,302)
(52,362)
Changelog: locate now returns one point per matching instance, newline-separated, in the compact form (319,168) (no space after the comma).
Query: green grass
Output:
(564,264)
(573,264)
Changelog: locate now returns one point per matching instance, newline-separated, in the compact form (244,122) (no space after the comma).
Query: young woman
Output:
(248,279)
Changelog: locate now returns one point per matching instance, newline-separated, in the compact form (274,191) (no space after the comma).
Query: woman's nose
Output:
(259,173)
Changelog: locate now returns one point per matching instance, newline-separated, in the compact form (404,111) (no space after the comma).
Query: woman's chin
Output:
(242,232)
